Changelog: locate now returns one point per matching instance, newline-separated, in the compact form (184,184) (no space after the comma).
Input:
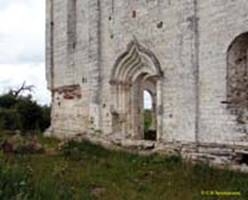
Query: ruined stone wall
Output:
(67,64)
(220,22)
(190,39)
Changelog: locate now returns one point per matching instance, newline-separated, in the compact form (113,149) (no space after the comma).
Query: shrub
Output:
(30,114)
(7,101)
(44,122)
(9,119)
(147,120)
(23,113)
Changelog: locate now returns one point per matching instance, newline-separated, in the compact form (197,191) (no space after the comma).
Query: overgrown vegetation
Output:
(149,132)
(18,112)
(83,171)
(147,119)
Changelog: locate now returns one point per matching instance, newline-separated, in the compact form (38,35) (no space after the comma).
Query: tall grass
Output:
(85,171)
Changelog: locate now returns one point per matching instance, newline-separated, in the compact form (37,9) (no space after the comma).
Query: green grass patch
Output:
(85,171)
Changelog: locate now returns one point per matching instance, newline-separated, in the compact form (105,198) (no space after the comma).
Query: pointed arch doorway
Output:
(135,71)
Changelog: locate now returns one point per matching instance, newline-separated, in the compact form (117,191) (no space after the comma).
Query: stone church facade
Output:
(190,55)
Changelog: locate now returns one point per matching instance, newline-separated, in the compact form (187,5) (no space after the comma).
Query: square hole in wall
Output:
(134,14)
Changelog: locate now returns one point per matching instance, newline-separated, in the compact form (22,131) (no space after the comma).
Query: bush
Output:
(9,119)
(7,101)
(147,120)
(23,113)
(44,122)
(30,114)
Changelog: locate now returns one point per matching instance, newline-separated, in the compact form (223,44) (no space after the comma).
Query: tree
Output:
(17,92)
(7,101)
(18,112)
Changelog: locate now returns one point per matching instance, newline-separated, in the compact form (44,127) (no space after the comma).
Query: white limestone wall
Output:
(172,44)
(220,22)
(189,38)
(70,65)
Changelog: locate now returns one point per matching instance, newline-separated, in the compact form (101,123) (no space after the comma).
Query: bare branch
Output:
(22,88)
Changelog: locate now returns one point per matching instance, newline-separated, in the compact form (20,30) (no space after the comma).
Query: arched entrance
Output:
(135,71)
(237,77)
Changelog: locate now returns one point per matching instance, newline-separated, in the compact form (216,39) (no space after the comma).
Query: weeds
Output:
(81,170)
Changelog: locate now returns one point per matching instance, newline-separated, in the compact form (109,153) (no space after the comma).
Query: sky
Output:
(22,47)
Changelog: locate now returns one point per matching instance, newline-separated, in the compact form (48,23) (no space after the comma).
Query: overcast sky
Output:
(22,46)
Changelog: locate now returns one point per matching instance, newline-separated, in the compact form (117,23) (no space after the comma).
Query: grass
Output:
(85,171)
